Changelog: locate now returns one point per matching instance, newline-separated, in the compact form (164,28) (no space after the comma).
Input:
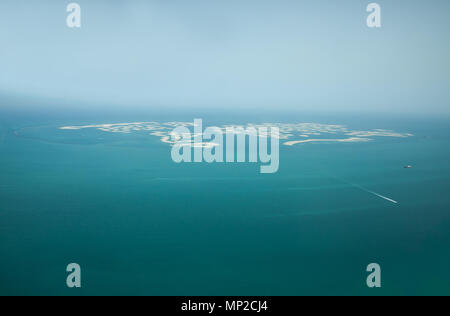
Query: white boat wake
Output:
(383,197)
(374,193)
(368,191)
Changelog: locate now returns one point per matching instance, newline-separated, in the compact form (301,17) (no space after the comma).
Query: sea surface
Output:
(139,224)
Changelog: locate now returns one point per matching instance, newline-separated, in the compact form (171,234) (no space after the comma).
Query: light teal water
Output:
(139,224)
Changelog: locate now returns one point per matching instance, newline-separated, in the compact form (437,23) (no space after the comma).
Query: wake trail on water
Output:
(374,193)
(367,190)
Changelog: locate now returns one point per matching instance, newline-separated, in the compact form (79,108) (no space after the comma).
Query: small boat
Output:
(408,167)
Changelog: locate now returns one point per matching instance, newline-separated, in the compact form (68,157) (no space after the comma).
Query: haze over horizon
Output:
(238,55)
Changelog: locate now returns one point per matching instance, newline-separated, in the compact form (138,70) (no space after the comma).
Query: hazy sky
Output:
(276,54)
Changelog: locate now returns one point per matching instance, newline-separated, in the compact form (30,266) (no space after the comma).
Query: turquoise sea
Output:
(139,224)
